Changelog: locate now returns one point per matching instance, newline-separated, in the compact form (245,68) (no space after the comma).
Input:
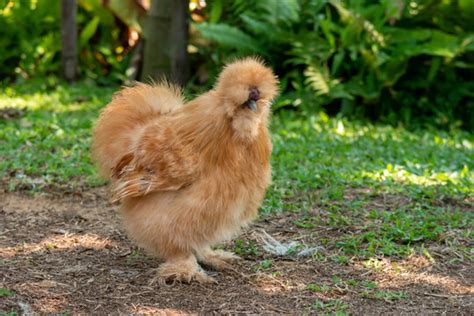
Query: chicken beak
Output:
(252,105)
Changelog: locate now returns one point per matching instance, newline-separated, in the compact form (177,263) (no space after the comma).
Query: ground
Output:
(384,214)
(70,255)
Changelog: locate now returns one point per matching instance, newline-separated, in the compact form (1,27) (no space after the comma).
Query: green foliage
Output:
(408,61)
(103,48)
(313,287)
(266,264)
(228,36)
(32,45)
(335,307)
(245,248)
(391,296)
(6,292)
(394,61)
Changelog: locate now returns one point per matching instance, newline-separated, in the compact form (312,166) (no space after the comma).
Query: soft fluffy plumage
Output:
(189,175)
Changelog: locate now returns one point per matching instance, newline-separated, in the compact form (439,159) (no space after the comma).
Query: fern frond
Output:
(277,11)
(416,42)
(254,24)
(228,36)
(317,80)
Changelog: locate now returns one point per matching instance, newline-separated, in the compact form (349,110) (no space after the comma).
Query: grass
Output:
(5,292)
(331,307)
(47,146)
(385,190)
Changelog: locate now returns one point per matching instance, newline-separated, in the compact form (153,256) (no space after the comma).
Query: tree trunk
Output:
(166,40)
(179,29)
(68,39)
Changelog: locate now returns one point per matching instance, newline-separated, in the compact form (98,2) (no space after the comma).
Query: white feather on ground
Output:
(275,247)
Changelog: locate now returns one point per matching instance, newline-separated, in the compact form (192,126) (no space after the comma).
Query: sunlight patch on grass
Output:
(400,174)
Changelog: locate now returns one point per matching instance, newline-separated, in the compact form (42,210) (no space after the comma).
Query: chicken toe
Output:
(184,271)
(218,260)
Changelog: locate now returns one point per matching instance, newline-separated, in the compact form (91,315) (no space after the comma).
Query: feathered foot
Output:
(184,270)
(218,260)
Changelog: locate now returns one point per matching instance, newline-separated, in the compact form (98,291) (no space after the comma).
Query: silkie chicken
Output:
(189,175)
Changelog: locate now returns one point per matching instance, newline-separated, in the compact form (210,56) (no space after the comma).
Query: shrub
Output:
(390,60)
(30,41)
(31,45)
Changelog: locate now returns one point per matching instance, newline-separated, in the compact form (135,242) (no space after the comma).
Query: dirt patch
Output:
(70,255)
(9,113)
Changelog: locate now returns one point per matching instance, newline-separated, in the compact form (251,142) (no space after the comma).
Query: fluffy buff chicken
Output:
(189,175)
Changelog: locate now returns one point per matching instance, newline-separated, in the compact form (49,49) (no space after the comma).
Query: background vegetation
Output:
(401,62)
(372,154)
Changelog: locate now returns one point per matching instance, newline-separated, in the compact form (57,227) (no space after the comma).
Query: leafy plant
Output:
(391,295)
(32,45)
(363,58)
(336,306)
(247,248)
(6,292)
(266,264)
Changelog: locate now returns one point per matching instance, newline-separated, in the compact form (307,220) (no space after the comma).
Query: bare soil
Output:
(70,255)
